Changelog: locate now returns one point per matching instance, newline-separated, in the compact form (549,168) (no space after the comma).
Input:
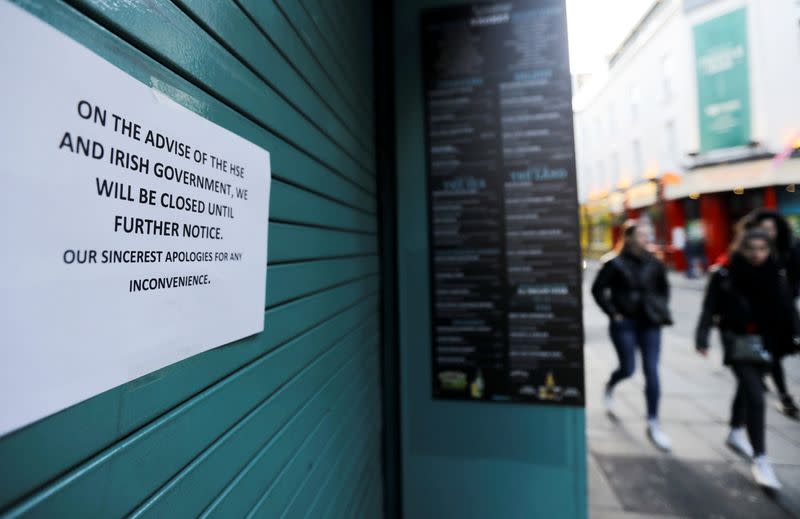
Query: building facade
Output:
(695,122)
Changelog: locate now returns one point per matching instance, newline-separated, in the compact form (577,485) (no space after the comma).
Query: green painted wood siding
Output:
(285,423)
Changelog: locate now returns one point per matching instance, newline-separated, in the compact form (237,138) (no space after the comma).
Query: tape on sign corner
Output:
(175,98)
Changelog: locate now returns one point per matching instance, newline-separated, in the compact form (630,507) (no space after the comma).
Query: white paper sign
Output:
(134,231)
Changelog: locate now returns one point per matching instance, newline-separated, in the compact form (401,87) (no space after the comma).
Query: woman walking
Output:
(750,301)
(786,251)
(632,289)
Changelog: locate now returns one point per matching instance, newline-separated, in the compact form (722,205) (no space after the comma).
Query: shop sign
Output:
(723,92)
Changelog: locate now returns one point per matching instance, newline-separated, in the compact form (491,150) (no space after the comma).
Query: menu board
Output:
(502,204)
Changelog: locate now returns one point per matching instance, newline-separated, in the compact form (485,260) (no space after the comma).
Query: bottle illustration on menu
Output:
(476,388)
(550,391)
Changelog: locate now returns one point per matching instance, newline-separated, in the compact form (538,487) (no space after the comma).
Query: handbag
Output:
(749,349)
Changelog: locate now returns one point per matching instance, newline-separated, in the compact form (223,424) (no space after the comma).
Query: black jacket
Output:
(726,306)
(790,260)
(635,287)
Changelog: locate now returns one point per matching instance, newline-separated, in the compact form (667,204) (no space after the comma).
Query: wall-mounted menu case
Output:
(502,204)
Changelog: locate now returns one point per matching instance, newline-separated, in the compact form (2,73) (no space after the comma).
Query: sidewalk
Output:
(629,478)
(679,280)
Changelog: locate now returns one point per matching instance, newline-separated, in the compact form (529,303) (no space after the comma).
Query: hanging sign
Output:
(723,91)
(134,231)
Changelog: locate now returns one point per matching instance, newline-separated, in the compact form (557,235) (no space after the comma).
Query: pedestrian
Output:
(632,289)
(695,249)
(749,299)
(786,251)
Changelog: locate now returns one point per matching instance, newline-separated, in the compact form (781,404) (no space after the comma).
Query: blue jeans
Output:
(627,335)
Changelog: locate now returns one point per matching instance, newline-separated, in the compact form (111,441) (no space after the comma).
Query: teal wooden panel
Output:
(175,40)
(49,447)
(346,36)
(295,205)
(340,475)
(357,26)
(225,463)
(274,501)
(325,30)
(353,476)
(326,460)
(276,498)
(131,470)
(232,29)
(244,493)
(355,497)
(343,503)
(373,493)
(176,439)
(331,31)
(287,282)
(372,506)
(272,22)
(335,478)
(304,26)
(329,59)
(297,243)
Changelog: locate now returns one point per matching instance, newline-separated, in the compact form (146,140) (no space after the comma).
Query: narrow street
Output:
(701,478)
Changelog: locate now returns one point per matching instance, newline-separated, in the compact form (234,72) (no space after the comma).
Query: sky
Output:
(597,27)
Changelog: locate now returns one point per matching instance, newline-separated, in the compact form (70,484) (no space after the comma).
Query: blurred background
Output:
(687,116)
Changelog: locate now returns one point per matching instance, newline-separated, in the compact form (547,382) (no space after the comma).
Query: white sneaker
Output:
(764,474)
(608,401)
(658,437)
(738,442)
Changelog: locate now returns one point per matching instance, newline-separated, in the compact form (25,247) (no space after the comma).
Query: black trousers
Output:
(778,375)
(748,404)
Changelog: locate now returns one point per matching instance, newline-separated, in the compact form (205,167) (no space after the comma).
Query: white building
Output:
(707,90)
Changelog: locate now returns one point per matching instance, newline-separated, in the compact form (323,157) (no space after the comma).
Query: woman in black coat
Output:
(786,251)
(632,289)
(749,299)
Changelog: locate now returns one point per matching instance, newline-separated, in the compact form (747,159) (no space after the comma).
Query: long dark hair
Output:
(784,238)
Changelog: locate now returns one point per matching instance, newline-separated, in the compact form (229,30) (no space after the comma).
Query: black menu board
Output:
(502,204)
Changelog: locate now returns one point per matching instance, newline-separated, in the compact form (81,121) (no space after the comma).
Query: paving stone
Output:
(601,495)
(669,486)
(702,478)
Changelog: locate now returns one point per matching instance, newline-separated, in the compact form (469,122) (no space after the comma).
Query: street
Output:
(702,478)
